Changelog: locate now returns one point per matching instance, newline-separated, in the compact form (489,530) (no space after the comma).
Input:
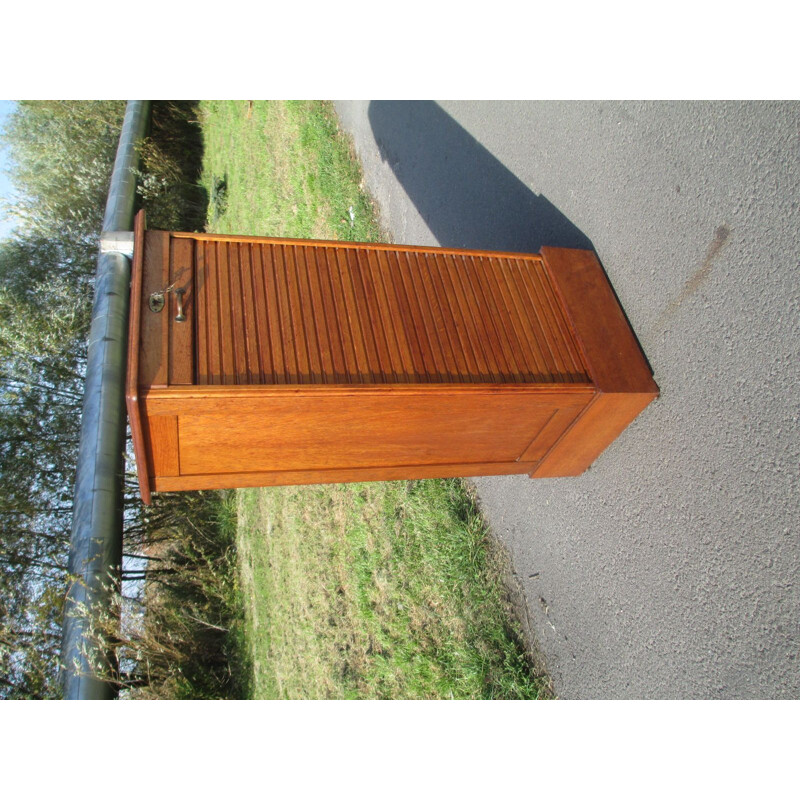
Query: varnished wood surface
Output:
(180,367)
(592,432)
(307,432)
(154,328)
(242,480)
(309,362)
(337,244)
(610,349)
(295,313)
(140,449)
(616,364)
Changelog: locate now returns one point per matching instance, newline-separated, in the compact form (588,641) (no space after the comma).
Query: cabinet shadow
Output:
(465,195)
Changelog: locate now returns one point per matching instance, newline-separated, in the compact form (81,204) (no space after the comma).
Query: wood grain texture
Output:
(242,480)
(593,431)
(181,355)
(612,354)
(328,315)
(313,431)
(163,450)
(134,348)
(610,349)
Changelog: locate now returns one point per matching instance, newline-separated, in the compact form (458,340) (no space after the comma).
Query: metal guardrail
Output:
(96,542)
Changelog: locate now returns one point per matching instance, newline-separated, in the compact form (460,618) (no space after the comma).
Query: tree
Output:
(62,153)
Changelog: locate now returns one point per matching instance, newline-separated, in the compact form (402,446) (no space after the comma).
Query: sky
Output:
(6,188)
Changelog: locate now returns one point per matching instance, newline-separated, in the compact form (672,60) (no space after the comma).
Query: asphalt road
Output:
(670,569)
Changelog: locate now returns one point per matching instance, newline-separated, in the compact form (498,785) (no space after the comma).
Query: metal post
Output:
(96,543)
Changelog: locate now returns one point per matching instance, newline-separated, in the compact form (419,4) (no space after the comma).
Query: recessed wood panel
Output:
(310,432)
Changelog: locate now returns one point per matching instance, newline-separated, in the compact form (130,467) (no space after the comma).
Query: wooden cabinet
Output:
(261,361)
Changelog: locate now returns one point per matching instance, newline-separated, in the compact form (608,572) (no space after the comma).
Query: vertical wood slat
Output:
(181,334)
(249,307)
(273,313)
(297,313)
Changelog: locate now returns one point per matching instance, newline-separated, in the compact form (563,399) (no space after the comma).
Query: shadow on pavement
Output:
(465,195)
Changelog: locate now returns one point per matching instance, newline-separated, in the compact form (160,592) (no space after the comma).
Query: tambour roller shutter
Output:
(291,361)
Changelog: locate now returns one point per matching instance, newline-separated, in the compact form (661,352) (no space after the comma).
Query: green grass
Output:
(372,590)
(282,169)
(376,590)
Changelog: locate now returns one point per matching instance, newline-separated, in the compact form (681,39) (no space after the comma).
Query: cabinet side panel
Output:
(132,372)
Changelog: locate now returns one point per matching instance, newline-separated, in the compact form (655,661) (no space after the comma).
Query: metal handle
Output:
(180,316)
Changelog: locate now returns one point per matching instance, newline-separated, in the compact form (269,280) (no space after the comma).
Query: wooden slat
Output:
(201,313)
(237,315)
(366,322)
(302,332)
(273,314)
(212,300)
(565,336)
(408,320)
(358,362)
(448,314)
(460,308)
(343,317)
(417,289)
(532,290)
(288,344)
(485,322)
(384,315)
(181,334)
(330,317)
(395,322)
(251,337)
(535,324)
(440,351)
(262,324)
(499,313)
(472,300)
